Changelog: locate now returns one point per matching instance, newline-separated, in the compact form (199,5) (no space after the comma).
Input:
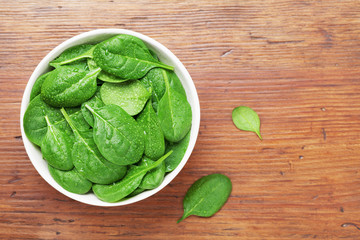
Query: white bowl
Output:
(165,56)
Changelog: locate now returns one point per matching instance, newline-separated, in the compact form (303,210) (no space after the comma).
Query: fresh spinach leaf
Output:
(56,147)
(135,192)
(130,95)
(71,181)
(179,150)
(206,196)
(73,54)
(154,177)
(94,102)
(154,137)
(126,57)
(88,160)
(69,86)
(105,76)
(36,89)
(118,136)
(175,114)
(246,119)
(117,191)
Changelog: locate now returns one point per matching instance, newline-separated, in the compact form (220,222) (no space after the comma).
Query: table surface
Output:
(296,63)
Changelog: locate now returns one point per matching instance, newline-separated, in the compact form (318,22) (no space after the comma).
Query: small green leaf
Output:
(206,196)
(246,119)
(73,54)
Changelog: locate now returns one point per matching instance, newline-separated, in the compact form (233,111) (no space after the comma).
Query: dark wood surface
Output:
(297,63)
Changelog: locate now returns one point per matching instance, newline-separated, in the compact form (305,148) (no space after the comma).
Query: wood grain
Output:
(297,63)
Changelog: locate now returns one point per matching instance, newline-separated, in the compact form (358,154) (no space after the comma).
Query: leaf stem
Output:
(67,118)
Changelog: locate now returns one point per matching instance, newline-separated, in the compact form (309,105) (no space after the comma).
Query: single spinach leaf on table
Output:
(179,149)
(69,86)
(88,160)
(73,54)
(56,147)
(71,181)
(175,114)
(206,196)
(154,81)
(246,119)
(130,95)
(154,177)
(119,190)
(154,137)
(94,102)
(117,135)
(36,89)
(104,76)
(126,57)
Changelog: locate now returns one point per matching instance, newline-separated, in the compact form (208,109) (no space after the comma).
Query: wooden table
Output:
(297,63)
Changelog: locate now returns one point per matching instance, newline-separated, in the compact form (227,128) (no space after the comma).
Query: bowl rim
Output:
(86,37)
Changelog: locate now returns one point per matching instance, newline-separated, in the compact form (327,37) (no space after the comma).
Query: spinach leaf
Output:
(35,126)
(206,196)
(246,119)
(154,138)
(88,160)
(73,54)
(135,192)
(154,177)
(36,89)
(175,114)
(117,191)
(117,135)
(179,149)
(130,95)
(69,86)
(56,147)
(105,76)
(71,181)
(94,102)
(126,57)
(154,81)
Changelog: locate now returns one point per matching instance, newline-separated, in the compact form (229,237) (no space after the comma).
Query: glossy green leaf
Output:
(56,147)
(154,81)
(126,57)
(71,181)
(95,102)
(206,196)
(73,54)
(36,89)
(246,119)
(89,161)
(119,190)
(154,138)
(175,114)
(130,95)
(179,149)
(69,87)
(135,192)
(105,76)
(117,135)
(154,177)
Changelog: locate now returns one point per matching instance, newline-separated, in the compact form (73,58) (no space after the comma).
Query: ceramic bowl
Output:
(165,55)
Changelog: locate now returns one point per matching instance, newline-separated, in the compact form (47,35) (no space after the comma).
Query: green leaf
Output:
(95,102)
(179,150)
(119,190)
(36,89)
(118,136)
(154,137)
(154,177)
(73,54)
(89,161)
(246,119)
(104,76)
(71,181)
(56,147)
(130,95)
(206,196)
(175,114)
(126,57)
